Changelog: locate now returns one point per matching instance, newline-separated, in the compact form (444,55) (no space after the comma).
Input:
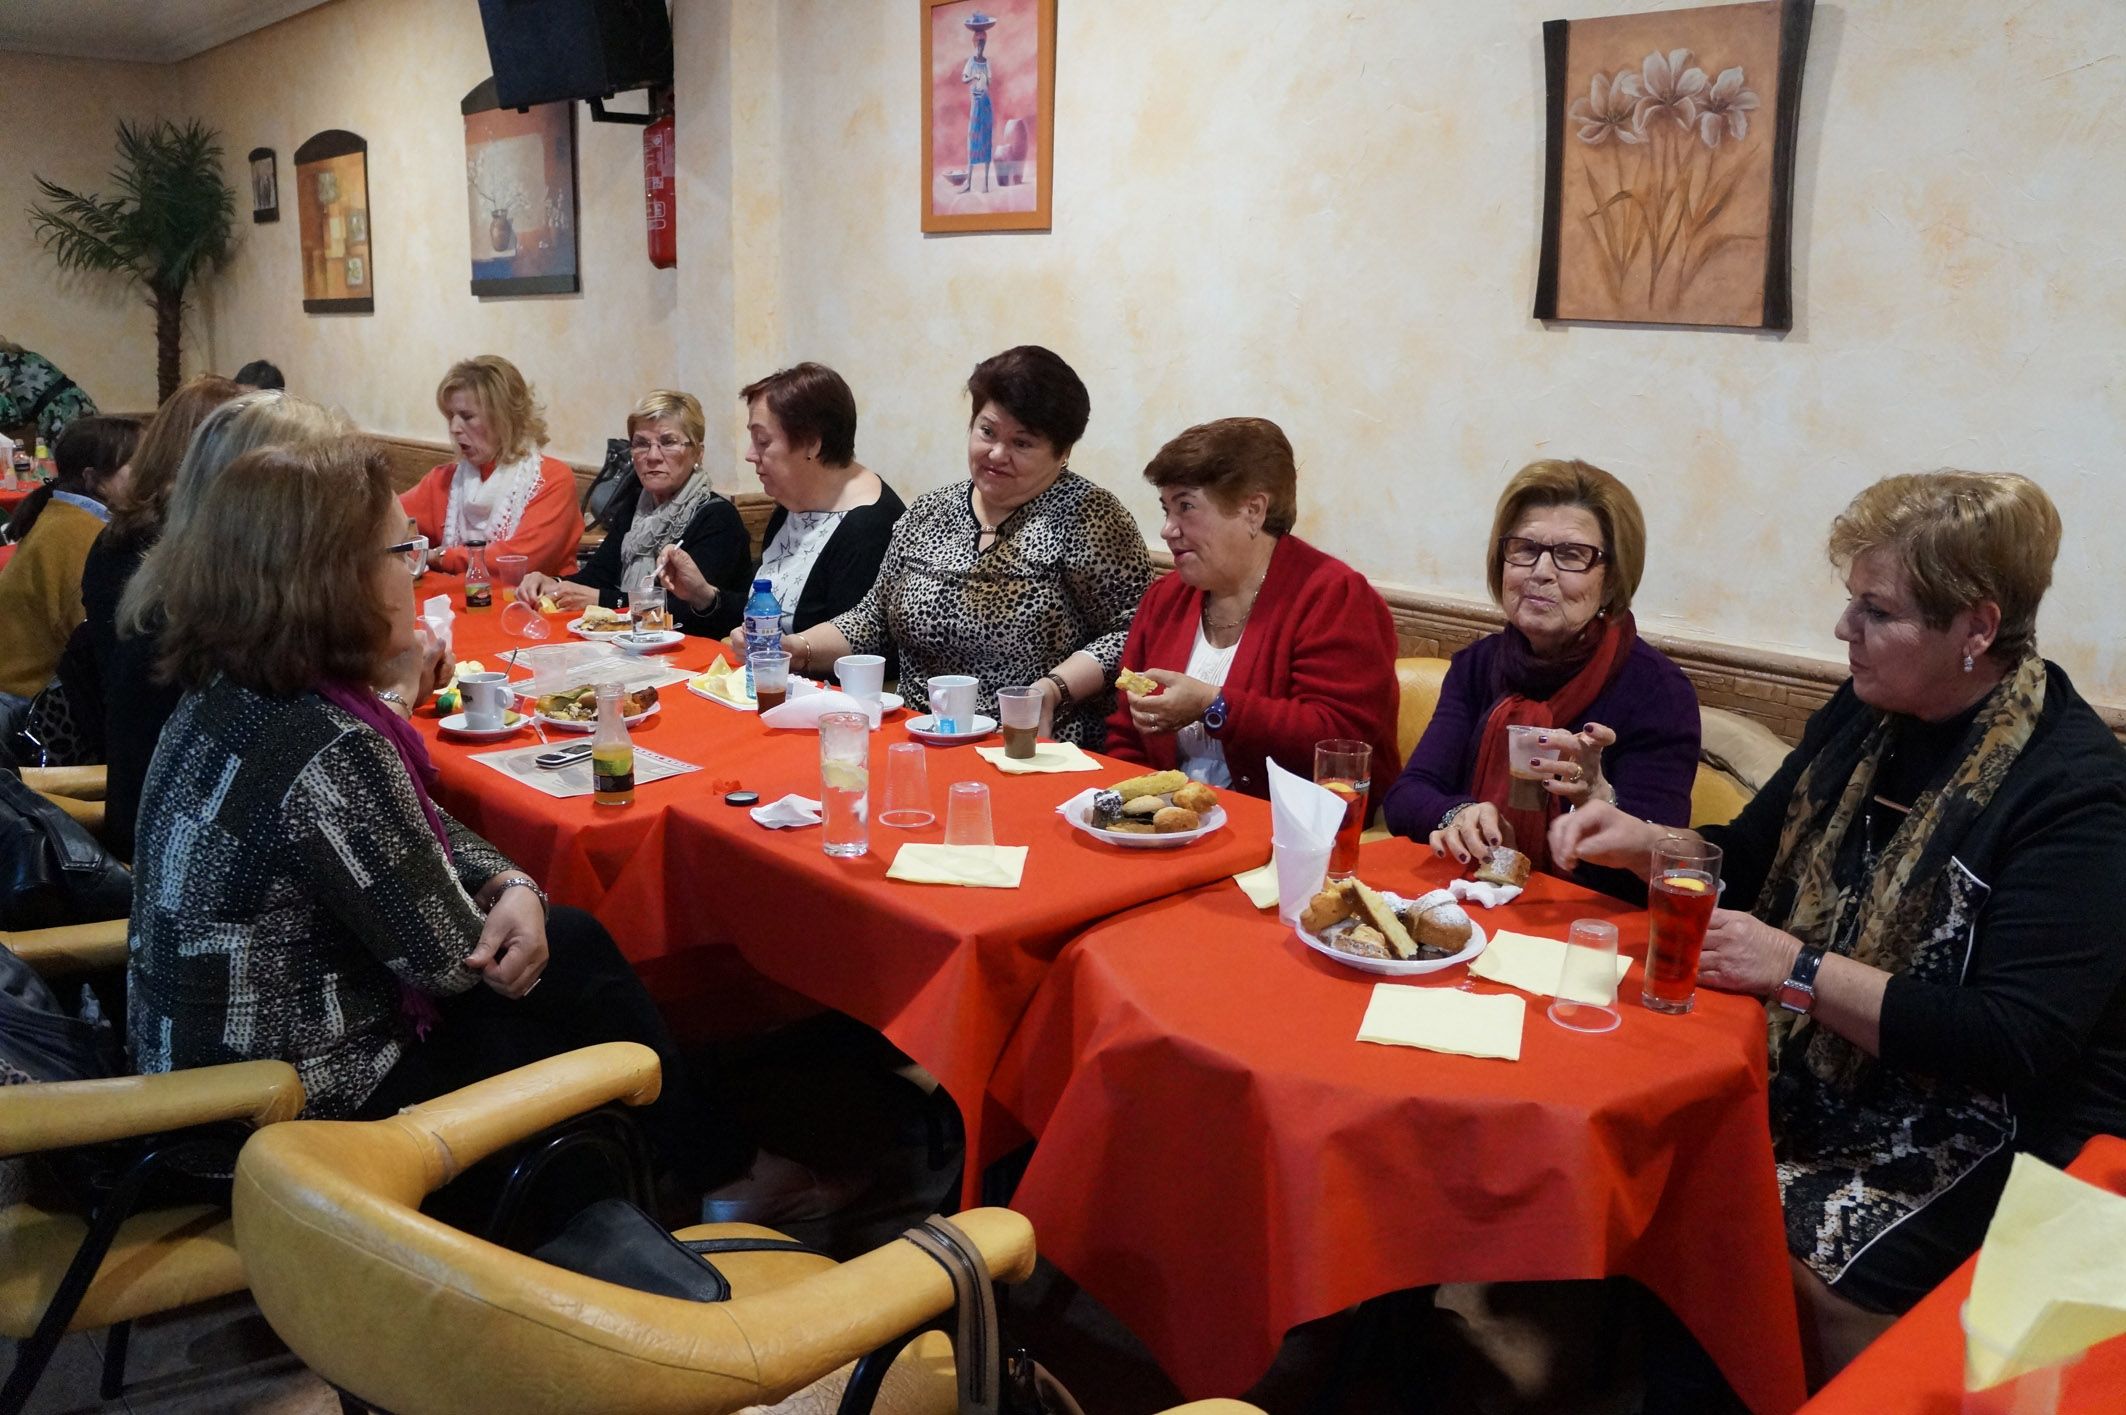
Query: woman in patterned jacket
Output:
(1918,893)
(1026,573)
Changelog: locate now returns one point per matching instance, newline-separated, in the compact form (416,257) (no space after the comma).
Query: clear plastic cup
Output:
(967,815)
(771,679)
(509,570)
(907,788)
(1019,712)
(844,782)
(645,609)
(525,621)
(1524,748)
(1587,983)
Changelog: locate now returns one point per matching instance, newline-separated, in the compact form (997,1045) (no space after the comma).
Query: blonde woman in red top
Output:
(502,489)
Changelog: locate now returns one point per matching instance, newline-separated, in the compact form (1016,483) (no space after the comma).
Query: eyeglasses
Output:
(415,551)
(1570,556)
(641,447)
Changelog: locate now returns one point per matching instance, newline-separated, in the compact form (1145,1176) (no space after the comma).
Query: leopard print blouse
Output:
(1065,573)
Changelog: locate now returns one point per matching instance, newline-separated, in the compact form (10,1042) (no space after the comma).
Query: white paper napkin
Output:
(438,616)
(1445,1019)
(1536,965)
(2051,1280)
(804,710)
(1047,757)
(1302,815)
(1491,896)
(789,813)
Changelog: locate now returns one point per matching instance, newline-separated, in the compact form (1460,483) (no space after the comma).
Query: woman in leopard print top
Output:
(1025,574)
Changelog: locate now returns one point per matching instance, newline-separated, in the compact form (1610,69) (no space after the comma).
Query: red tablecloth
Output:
(1219,1160)
(11,497)
(1917,1366)
(944,972)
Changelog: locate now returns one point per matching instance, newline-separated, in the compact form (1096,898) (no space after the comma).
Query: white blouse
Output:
(788,559)
(1202,756)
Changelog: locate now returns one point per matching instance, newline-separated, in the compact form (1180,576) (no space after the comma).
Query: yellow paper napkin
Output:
(976,866)
(726,683)
(1047,756)
(1445,1019)
(2051,1280)
(1535,965)
(1259,885)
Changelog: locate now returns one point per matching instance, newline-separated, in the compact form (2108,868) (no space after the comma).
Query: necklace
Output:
(1220,626)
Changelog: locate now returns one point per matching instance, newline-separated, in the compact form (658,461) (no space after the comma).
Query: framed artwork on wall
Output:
(989,90)
(520,192)
(332,219)
(1669,178)
(265,185)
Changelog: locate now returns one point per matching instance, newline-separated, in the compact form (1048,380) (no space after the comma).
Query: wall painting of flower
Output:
(1668,190)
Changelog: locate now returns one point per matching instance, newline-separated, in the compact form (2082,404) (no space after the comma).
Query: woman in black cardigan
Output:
(833,515)
(669,510)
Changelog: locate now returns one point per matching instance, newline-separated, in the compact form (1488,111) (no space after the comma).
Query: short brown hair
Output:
(1600,495)
(513,414)
(1034,385)
(140,509)
(1963,538)
(810,400)
(1230,460)
(665,404)
(240,588)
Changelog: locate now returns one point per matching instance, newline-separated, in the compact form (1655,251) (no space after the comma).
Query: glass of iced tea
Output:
(1680,894)
(1020,712)
(1346,767)
(771,679)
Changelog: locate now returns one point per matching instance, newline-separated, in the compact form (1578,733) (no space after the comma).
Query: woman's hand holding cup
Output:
(1575,774)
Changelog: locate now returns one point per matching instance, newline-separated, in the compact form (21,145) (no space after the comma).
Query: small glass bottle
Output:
(479,591)
(612,752)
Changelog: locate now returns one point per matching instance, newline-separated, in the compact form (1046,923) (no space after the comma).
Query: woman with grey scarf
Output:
(674,506)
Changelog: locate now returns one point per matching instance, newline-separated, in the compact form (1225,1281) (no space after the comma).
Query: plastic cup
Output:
(907,788)
(509,570)
(1300,872)
(487,697)
(1587,983)
(967,815)
(1019,711)
(1524,748)
(862,675)
(771,679)
(952,703)
(525,621)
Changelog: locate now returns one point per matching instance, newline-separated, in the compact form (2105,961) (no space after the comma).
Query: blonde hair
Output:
(664,404)
(249,421)
(1600,495)
(513,414)
(1962,538)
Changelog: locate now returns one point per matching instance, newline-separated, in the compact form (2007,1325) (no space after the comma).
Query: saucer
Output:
(921,728)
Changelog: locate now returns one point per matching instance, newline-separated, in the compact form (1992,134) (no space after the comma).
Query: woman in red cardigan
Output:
(1261,644)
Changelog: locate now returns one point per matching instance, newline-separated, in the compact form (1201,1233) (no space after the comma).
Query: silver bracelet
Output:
(521,882)
(1452,811)
(393,695)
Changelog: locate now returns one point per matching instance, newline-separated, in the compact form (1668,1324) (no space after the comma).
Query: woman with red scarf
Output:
(1568,544)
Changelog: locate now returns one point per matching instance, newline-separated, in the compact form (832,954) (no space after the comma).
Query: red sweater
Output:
(1317,660)
(547,532)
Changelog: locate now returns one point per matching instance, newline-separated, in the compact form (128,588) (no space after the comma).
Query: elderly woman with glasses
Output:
(1568,544)
(672,505)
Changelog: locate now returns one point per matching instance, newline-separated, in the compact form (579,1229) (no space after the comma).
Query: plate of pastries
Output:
(1379,931)
(1156,812)
(576,710)
(599,623)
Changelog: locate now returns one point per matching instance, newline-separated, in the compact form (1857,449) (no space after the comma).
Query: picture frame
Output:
(265,185)
(988,115)
(333,220)
(1669,166)
(521,196)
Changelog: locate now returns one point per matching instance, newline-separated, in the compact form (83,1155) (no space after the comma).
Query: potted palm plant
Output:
(171,221)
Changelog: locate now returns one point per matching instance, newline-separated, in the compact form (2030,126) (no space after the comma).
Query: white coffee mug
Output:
(952,703)
(487,697)
(862,675)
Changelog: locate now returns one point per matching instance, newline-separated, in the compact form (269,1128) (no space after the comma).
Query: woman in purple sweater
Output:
(1568,546)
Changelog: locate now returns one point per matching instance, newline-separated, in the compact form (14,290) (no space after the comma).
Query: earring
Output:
(1968,663)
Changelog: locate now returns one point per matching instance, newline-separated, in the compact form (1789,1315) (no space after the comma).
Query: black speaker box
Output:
(547,50)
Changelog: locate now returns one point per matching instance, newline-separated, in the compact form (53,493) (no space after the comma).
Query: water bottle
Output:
(763,625)
(479,590)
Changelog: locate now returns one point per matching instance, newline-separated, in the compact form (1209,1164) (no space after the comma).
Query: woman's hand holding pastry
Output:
(1180,701)
(533,586)
(1576,774)
(1473,831)
(1746,955)
(680,576)
(1601,834)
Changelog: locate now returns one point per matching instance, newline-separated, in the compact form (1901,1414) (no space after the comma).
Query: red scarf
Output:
(1607,642)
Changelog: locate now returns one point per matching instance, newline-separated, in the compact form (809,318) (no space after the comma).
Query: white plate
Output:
(457,726)
(1478,940)
(920,728)
(656,641)
(601,636)
(1081,817)
(562,724)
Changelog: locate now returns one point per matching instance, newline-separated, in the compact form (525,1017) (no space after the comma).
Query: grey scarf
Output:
(656,527)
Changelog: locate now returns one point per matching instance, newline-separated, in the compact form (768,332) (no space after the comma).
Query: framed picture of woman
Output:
(989,82)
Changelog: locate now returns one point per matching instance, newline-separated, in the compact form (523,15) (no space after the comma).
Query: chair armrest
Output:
(874,1298)
(1215,1407)
(468,1125)
(83,783)
(89,814)
(71,948)
(57,1114)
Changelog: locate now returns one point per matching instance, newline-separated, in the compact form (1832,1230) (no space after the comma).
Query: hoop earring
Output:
(1968,663)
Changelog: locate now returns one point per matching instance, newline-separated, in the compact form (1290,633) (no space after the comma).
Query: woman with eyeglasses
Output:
(673,506)
(1568,544)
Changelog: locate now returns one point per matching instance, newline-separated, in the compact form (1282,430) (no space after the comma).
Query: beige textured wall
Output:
(59,119)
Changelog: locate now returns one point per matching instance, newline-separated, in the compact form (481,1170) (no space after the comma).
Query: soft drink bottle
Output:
(479,592)
(612,752)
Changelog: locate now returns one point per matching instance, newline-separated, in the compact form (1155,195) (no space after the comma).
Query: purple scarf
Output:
(361,704)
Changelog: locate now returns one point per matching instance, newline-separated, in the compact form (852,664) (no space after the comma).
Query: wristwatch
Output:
(1215,715)
(1798,992)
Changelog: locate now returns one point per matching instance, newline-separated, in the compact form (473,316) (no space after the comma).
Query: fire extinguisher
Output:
(660,192)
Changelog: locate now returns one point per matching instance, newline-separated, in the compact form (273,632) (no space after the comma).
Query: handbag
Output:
(992,1381)
(52,871)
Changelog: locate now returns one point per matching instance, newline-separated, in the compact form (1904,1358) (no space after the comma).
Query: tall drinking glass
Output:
(1680,894)
(845,782)
(1346,768)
